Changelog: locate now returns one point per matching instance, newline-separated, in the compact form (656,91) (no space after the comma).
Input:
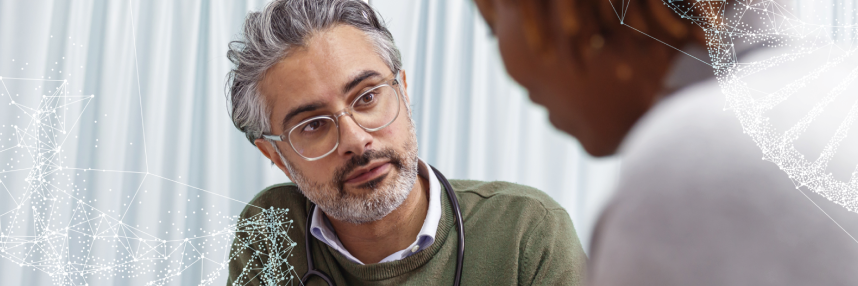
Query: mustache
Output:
(363,160)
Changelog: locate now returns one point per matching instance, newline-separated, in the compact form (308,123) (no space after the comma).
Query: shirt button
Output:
(415,248)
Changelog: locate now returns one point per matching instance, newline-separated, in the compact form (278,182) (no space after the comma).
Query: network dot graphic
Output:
(150,228)
(819,38)
(264,247)
(53,227)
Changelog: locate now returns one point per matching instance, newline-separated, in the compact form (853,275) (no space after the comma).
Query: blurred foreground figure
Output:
(695,205)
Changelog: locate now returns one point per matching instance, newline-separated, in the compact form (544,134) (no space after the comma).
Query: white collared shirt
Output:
(322,230)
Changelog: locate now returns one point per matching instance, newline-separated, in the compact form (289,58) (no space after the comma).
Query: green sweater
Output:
(514,235)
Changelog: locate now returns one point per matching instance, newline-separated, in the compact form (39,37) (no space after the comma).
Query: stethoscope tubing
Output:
(460,229)
(459,225)
(311,266)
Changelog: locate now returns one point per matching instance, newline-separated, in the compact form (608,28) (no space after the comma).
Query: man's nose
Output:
(353,139)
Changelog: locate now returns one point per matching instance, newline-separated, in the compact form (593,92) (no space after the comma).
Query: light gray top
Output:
(696,205)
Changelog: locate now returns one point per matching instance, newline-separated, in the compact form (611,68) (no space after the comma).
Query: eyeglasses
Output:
(317,137)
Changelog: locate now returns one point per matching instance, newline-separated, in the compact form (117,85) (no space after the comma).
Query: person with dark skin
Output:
(694,204)
(608,76)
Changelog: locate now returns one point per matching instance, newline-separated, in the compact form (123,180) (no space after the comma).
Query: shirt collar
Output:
(322,230)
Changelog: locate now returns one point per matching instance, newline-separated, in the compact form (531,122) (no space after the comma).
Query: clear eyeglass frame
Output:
(393,83)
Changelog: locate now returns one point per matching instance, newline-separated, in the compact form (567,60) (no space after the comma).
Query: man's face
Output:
(369,174)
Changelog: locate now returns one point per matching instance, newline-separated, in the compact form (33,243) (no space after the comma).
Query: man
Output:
(318,88)
(695,205)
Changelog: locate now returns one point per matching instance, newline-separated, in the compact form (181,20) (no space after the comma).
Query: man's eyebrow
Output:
(363,75)
(298,110)
(359,78)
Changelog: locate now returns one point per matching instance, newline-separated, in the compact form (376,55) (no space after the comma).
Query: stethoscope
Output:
(311,267)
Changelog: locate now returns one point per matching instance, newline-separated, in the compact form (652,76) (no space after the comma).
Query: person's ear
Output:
(268,151)
(405,87)
(404,78)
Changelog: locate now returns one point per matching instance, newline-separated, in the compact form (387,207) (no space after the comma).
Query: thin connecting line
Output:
(131,202)
(628,3)
(681,51)
(18,78)
(210,192)
(7,89)
(10,192)
(101,170)
(17,170)
(829,217)
(139,94)
(75,121)
(615,11)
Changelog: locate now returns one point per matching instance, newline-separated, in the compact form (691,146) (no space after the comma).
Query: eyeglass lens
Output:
(372,110)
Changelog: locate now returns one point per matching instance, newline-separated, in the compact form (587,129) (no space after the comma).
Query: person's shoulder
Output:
(278,196)
(689,130)
(686,148)
(687,119)
(507,194)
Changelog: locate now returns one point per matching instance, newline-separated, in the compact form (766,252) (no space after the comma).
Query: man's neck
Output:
(372,242)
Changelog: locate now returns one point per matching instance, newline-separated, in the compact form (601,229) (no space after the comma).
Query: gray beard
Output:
(379,201)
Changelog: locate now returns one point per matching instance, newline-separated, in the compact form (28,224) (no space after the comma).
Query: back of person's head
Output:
(597,66)
(597,23)
(283,25)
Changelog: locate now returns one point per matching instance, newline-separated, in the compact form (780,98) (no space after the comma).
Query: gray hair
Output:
(270,34)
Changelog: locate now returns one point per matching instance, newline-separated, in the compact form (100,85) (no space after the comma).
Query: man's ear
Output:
(405,87)
(268,151)
(404,78)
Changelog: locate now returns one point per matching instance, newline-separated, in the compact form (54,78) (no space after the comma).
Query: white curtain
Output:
(133,161)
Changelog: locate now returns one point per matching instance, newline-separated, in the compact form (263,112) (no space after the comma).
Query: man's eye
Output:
(313,125)
(366,99)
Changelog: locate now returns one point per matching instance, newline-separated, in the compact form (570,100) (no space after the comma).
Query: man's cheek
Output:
(386,133)
(318,175)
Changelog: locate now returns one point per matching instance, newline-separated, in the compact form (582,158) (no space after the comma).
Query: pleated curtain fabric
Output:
(143,136)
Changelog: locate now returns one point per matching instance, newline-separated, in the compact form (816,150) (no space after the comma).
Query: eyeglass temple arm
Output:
(272,137)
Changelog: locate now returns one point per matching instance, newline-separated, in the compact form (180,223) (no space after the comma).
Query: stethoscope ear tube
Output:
(459,224)
(311,267)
